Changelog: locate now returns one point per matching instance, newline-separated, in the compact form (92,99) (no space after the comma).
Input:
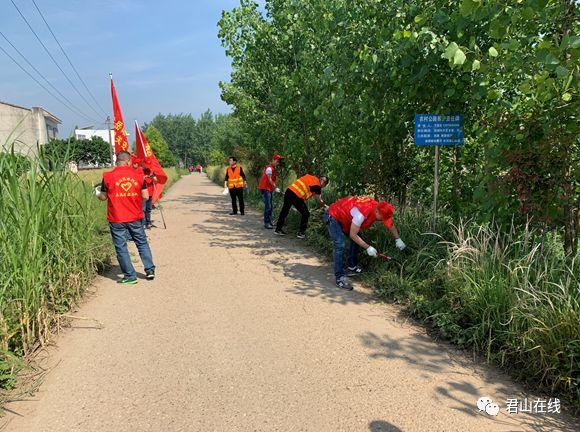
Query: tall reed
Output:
(52,240)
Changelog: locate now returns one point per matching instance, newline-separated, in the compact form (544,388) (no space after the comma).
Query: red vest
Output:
(150,185)
(124,185)
(264,183)
(340,211)
(301,187)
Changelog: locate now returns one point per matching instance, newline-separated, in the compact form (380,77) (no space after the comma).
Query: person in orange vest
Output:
(235,182)
(296,195)
(347,216)
(124,189)
(267,186)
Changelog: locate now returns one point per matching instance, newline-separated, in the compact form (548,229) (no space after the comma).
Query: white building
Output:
(26,128)
(82,134)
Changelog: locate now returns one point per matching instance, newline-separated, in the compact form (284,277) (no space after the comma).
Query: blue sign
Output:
(438,130)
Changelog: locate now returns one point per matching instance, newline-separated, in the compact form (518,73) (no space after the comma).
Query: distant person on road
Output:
(297,195)
(235,181)
(348,216)
(124,189)
(199,168)
(267,186)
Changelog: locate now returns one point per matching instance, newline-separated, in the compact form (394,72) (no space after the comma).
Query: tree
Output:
(94,151)
(159,146)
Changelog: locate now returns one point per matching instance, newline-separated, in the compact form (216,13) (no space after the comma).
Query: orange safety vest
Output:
(301,187)
(235,181)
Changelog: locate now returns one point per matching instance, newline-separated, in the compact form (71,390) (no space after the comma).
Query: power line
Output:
(39,83)
(68,59)
(53,59)
(78,110)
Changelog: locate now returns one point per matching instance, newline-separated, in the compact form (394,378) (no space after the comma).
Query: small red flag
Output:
(145,153)
(121,142)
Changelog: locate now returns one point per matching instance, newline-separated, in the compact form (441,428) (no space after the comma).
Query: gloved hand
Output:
(371,251)
(400,244)
(225,192)
(97,191)
(277,190)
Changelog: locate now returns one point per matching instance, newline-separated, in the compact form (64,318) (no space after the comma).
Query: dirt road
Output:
(244,331)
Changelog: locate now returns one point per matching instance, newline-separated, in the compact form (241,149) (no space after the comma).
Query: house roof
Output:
(13,105)
(45,112)
(51,116)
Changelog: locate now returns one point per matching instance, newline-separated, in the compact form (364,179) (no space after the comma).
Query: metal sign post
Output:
(435,188)
(438,130)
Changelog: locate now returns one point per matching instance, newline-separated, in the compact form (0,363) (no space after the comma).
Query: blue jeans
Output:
(267,197)
(337,236)
(135,231)
(147,207)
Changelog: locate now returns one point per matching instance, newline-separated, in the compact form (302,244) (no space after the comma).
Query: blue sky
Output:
(165,56)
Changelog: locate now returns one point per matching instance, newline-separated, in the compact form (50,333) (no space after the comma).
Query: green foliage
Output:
(53,238)
(334,85)
(94,151)
(159,146)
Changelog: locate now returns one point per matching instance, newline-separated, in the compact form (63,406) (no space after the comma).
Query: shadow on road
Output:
(383,426)
(285,253)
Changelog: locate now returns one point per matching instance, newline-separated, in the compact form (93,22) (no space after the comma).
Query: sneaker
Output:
(301,235)
(269,226)
(354,271)
(344,284)
(233,213)
(150,274)
(242,213)
(127,281)
(280,232)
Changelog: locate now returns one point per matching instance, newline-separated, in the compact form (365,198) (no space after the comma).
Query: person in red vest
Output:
(124,189)
(150,180)
(235,182)
(347,216)
(296,195)
(199,168)
(267,186)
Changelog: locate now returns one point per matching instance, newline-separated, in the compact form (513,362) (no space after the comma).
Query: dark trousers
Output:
(237,194)
(147,207)
(290,199)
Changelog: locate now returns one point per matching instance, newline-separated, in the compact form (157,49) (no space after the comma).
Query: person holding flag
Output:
(150,180)
(150,162)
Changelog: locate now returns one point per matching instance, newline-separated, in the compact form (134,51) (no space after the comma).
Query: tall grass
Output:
(508,294)
(52,241)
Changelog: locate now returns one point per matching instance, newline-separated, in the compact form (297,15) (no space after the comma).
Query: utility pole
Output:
(110,141)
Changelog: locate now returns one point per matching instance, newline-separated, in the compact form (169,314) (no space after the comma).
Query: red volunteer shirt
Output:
(123,186)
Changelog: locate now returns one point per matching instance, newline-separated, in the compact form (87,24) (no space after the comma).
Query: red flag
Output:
(121,142)
(145,153)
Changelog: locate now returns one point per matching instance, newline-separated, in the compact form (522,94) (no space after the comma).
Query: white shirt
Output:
(269,171)
(357,217)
